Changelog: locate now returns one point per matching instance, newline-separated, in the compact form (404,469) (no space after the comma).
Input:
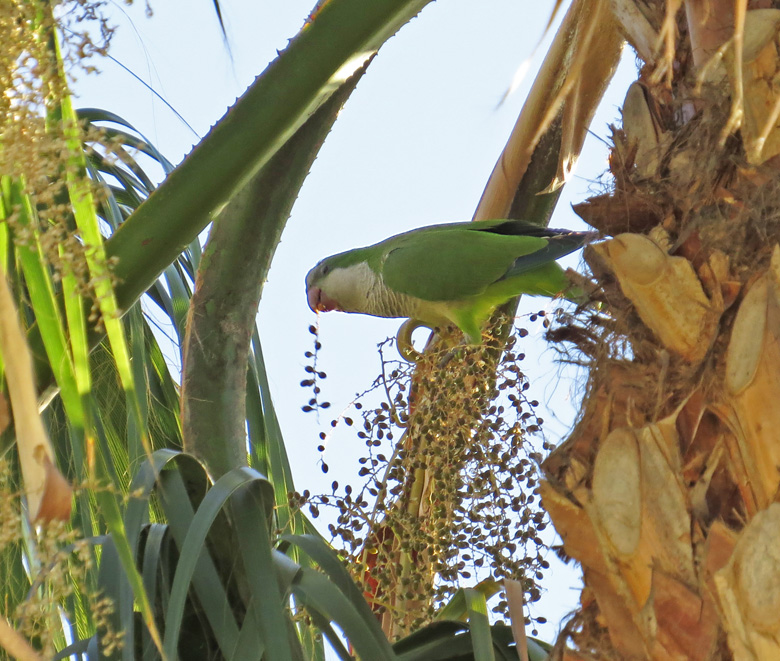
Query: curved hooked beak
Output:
(319,301)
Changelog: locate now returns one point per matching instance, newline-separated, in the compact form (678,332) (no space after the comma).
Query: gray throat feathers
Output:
(387,303)
(383,302)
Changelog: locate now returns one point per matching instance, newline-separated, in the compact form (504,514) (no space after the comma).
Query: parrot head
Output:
(340,282)
(319,301)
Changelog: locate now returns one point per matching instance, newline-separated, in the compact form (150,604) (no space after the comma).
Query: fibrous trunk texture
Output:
(666,490)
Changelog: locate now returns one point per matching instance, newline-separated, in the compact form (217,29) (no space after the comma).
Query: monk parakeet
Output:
(456,273)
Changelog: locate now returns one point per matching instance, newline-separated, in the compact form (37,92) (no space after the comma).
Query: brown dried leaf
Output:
(665,291)
(574,526)
(666,527)
(748,588)
(747,337)
(587,35)
(688,626)
(619,213)
(57,493)
(616,491)
(643,130)
(625,631)
(752,385)
(36,456)
(760,70)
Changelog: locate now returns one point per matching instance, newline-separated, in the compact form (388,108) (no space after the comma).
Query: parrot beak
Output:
(319,301)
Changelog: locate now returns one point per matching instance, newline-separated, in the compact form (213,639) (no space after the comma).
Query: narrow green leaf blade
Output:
(481,640)
(330,47)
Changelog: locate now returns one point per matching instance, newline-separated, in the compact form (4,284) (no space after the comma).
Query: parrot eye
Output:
(325,269)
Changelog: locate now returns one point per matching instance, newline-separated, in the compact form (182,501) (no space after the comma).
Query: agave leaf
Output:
(481,640)
(193,560)
(325,557)
(333,44)
(230,282)
(319,594)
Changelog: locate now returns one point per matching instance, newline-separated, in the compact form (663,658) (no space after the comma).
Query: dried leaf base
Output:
(666,491)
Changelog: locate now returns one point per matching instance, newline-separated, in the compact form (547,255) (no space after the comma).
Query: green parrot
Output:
(456,273)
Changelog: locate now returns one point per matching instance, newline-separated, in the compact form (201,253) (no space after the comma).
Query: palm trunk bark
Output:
(665,491)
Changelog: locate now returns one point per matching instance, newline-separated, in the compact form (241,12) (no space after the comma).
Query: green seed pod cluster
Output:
(446,489)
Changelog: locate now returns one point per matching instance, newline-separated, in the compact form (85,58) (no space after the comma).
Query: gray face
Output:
(314,275)
(317,299)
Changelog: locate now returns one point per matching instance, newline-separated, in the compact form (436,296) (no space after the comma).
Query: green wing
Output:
(452,263)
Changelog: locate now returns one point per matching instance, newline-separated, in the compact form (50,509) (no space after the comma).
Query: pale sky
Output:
(414,146)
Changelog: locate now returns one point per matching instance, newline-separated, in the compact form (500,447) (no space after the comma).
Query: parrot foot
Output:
(403,340)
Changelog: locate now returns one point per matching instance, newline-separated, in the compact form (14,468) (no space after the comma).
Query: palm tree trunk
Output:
(665,491)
